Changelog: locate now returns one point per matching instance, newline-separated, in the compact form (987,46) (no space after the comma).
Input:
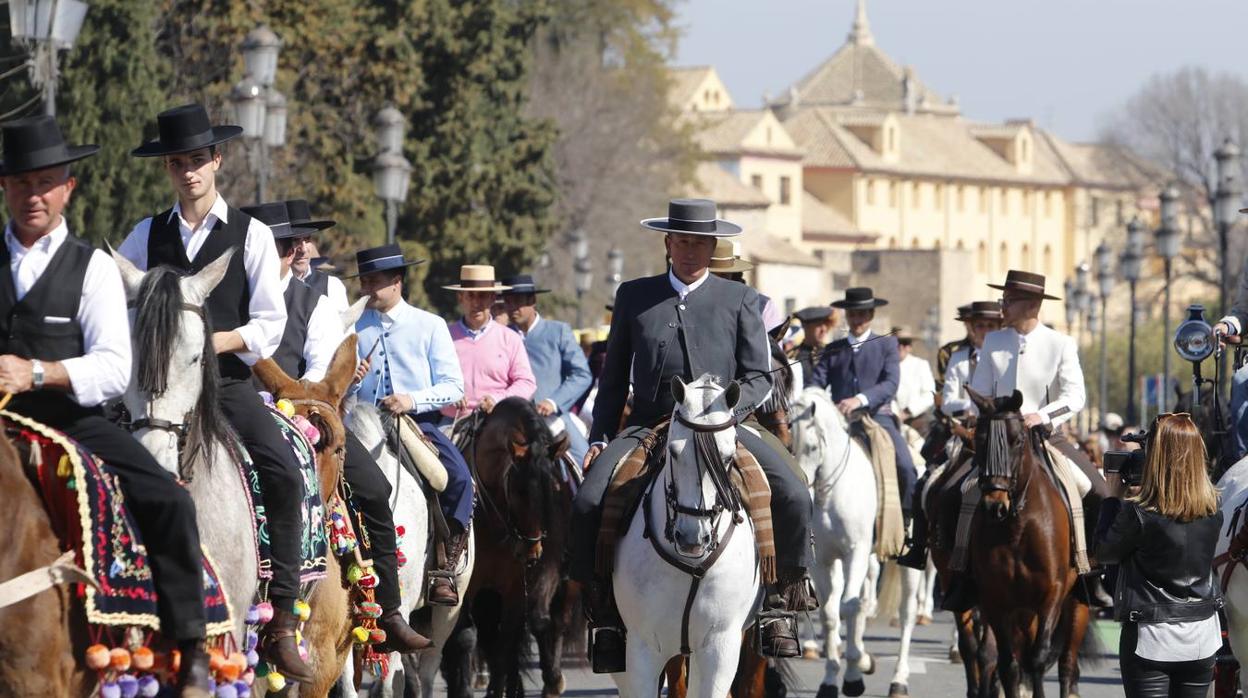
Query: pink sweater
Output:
(494,363)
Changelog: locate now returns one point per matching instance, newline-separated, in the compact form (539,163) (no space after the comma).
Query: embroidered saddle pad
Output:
(314,544)
(87,508)
(890,527)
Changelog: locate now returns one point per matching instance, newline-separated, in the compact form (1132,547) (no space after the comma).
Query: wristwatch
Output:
(36,374)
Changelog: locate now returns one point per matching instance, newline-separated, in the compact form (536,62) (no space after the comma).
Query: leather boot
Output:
(915,556)
(399,635)
(1090,591)
(278,648)
(793,591)
(777,634)
(961,596)
(442,591)
(607,643)
(194,674)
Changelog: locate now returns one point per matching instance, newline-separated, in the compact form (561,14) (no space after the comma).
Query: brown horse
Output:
(327,631)
(1021,552)
(523,510)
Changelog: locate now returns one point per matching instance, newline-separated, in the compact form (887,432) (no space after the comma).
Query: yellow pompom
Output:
(286,407)
(276,681)
(354,573)
(359,634)
(302,610)
(63,469)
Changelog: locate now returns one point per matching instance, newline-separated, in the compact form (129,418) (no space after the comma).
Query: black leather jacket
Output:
(1165,568)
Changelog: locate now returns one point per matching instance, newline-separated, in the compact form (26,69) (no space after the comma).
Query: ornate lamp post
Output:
(1228,200)
(392,173)
(1130,264)
(1105,281)
(931,329)
(1072,306)
(1087,310)
(258,107)
(615,269)
(1167,243)
(583,267)
(48,26)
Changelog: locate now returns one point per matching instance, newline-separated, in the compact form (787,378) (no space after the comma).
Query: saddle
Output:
(637,470)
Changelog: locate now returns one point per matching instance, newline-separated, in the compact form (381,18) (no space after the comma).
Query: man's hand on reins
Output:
(1033,420)
(397,404)
(848,405)
(361,370)
(1222,332)
(590,456)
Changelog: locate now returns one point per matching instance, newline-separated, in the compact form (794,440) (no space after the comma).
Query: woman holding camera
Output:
(1163,539)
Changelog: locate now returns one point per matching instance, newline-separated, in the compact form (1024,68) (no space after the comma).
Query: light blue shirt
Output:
(413,356)
(559,365)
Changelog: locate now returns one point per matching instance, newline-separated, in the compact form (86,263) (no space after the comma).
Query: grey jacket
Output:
(716,330)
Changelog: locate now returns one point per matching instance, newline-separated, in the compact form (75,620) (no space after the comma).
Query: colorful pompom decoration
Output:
(286,407)
(370,609)
(129,686)
(276,681)
(97,657)
(302,610)
(253,658)
(253,615)
(243,689)
(354,573)
(143,659)
(110,689)
(119,658)
(265,610)
(149,687)
(227,690)
(368,581)
(360,634)
(377,636)
(250,641)
(267,397)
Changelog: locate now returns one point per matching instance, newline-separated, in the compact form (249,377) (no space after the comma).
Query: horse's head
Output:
(517,460)
(701,441)
(818,429)
(320,403)
(174,376)
(1001,447)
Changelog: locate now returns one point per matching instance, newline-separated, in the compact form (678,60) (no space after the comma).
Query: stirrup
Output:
(607,645)
(783,627)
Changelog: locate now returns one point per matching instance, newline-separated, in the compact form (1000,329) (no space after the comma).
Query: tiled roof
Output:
(724,132)
(861,75)
(714,182)
(818,217)
(1093,164)
(685,82)
(763,248)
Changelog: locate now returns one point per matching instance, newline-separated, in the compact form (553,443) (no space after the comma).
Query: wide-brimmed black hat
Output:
(521,284)
(859,298)
(324,265)
(1024,282)
(964,311)
(35,143)
(692,216)
(815,313)
(983,309)
(382,258)
(301,215)
(183,129)
(275,215)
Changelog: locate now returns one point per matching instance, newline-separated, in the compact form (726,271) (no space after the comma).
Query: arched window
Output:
(1003,259)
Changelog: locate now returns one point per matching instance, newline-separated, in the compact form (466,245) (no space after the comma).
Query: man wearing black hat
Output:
(947,349)
(861,371)
(248,314)
(817,323)
(65,349)
(558,364)
(313,333)
(304,264)
(651,341)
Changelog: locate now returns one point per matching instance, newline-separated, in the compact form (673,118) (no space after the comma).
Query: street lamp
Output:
(1130,265)
(259,108)
(1228,197)
(48,26)
(1167,243)
(1105,280)
(583,267)
(392,173)
(260,49)
(1072,306)
(615,269)
(931,329)
(1085,308)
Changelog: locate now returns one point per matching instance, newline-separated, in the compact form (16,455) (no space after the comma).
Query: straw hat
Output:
(477,277)
(726,259)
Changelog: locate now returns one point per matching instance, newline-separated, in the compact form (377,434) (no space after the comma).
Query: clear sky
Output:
(1065,63)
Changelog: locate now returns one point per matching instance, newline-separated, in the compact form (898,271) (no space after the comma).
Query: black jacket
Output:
(1165,567)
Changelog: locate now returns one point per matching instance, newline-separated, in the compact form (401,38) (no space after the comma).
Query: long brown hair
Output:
(1176,484)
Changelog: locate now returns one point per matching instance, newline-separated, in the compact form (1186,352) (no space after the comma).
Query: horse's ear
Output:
(1013,403)
(732,394)
(131,276)
(678,390)
(983,402)
(342,367)
(352,315)
(272,377)
(195,289)
(560,446)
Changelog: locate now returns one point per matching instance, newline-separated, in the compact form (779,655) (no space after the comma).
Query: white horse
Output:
(410,510)
(1234,575)
(683,515)
(222,505)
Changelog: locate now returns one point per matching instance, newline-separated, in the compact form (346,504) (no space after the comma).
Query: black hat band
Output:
(185,143)
(702,226)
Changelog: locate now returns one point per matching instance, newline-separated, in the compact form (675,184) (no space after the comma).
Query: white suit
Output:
(1043,365)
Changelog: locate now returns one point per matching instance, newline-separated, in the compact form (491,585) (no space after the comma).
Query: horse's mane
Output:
(537,434)
(156,325)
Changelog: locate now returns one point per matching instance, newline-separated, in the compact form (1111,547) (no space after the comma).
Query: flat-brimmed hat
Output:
(1024,282)
(859,298)
(990,310)
(815,313)
(183,129)
(477,277)
(301,216)
(521,284)
(275,215)
(964,312)
(36,143)
(323,264)
(726,259)
(902,334)
(384,258)
(694,217)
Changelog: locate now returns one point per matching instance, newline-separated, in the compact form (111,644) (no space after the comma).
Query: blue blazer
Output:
(559,365)
(873,370)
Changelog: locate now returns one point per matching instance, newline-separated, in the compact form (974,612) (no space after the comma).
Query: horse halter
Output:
(708,457)
(503,514)
(181,429)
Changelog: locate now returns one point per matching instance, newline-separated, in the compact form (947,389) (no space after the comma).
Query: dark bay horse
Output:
(524,505)
(1021,552)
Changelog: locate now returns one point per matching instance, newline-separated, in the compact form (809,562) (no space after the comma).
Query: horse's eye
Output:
(195,359)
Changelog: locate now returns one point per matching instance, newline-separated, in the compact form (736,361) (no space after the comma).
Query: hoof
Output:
(955,657)
(896,690)
(853,689)
(867,664)
(923,619)
(827,691)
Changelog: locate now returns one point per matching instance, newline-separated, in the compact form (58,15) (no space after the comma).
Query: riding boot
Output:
(915,556)
(278,648)
(961,595)
(777,623)
(194,674)
(606,630)
(442,591)
(399,635)
(1091,592)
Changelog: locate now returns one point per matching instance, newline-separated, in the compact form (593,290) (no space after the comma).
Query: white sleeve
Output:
(952,400)
(1071,393)
(263,332)
(338,294)
(103,371)
(924,397)
(324,336)
(134,247)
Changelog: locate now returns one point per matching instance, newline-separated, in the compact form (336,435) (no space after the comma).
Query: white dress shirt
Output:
(263,332)
(1043,365)
(103,371)
(337,292)
(916,387)
(957,377)
(322,338)
(683,289)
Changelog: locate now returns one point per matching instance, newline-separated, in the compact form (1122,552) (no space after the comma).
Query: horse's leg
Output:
(1068,667)
(641,680)
(1007,665)
(831,585)
(857,660)
(987,657)
(968,648)
(911,583)
(1037,653)
(545,631)
(713,666)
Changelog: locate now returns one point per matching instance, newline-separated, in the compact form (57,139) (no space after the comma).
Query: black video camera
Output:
(1129,464)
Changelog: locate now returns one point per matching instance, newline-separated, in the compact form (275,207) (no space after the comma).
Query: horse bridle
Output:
(997,464)
(706,455)
(179,429)
(503,514)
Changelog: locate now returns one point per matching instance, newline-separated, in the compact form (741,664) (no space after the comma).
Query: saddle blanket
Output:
(890,526)
(314,543)
(86,506)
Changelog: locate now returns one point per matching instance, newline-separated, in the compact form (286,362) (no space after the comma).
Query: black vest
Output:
(318,282)
(229,303)
(300,301)
(26,332)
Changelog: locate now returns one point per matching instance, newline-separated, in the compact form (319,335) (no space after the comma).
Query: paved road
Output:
(931,672)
